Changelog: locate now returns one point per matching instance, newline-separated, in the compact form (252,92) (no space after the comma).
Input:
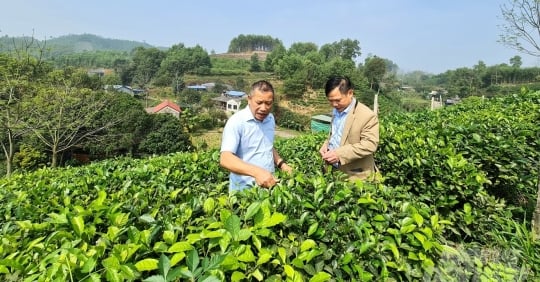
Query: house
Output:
(209,86)
(99,72)
(197,87)
(126,89)
(406,89)
(230,100)
(165,107)
(227,103)
(321,123)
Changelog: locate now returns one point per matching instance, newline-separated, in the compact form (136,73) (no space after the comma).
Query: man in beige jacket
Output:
(354,136)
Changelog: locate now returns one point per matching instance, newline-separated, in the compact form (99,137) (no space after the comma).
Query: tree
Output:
(65,117)
(167,136)
(18,71)
(146,62)
(190,97)
(274,57)
(522,28)
(289,65)
(125,71)
(374,70)
(339,66)
(180,60)
(12,88)
(294,86)
(302,48)
(346,49)
(463,82)
(128,130)
(255,65)
(250,43)
(516,62)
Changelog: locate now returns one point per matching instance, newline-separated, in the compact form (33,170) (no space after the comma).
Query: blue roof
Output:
(235,93)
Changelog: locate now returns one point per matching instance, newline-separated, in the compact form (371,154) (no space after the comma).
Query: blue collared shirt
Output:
(250,140)
(338,122)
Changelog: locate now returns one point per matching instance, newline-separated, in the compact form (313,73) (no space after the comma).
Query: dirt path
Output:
(286,133)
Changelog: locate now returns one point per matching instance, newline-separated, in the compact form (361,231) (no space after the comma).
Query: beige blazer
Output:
(359,142)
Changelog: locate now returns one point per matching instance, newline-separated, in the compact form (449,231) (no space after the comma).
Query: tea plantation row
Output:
(454,203)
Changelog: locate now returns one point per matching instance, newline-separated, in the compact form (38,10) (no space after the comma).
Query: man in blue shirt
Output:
(247,145)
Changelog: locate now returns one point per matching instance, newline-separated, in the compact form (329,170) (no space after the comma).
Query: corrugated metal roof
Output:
(323,118)
(235,93)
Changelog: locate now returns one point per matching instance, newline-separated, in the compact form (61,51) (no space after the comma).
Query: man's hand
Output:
(330,157)
(323,149)
(265,179)
(286,168)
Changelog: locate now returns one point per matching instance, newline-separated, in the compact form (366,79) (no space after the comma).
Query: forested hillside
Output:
(74,43)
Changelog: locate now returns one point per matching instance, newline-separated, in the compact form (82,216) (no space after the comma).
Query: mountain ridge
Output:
(75,43)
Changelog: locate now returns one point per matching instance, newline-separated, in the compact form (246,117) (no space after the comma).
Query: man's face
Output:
(339,101)
(260,104)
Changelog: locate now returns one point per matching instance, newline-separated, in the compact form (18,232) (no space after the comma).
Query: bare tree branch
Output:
(522,28)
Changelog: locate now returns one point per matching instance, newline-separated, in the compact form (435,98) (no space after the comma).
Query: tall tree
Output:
(180,60)
(302,48)
(249,43)
(374,71)
(146,63)
(19,70)
(521,30)
(62,117)
(274,57)
(128,130)
(255,65)
(516,62)
(12,88)
(346,49)
(166,136)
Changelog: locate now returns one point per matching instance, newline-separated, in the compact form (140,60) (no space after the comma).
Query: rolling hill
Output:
(70,44)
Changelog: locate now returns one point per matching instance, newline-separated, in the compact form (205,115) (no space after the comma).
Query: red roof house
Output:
(165,107)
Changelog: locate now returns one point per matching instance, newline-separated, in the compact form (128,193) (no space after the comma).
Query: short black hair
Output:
(343,82)
(263,86)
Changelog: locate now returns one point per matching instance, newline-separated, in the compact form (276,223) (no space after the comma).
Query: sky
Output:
(426,35)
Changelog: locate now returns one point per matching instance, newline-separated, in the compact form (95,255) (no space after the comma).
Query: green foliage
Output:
(374,71)
(155,219)
(346,49)
(254,63)
(251,42)
(471,154)
(146,63)
(29,158)
(170,218)
(128,130)
(303,48)
(289,119)
(189,97)
(229,66)
(211,119)
(89,42)
(166,136)
(88,59)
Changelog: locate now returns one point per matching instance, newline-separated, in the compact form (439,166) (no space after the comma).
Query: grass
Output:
(207,140)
